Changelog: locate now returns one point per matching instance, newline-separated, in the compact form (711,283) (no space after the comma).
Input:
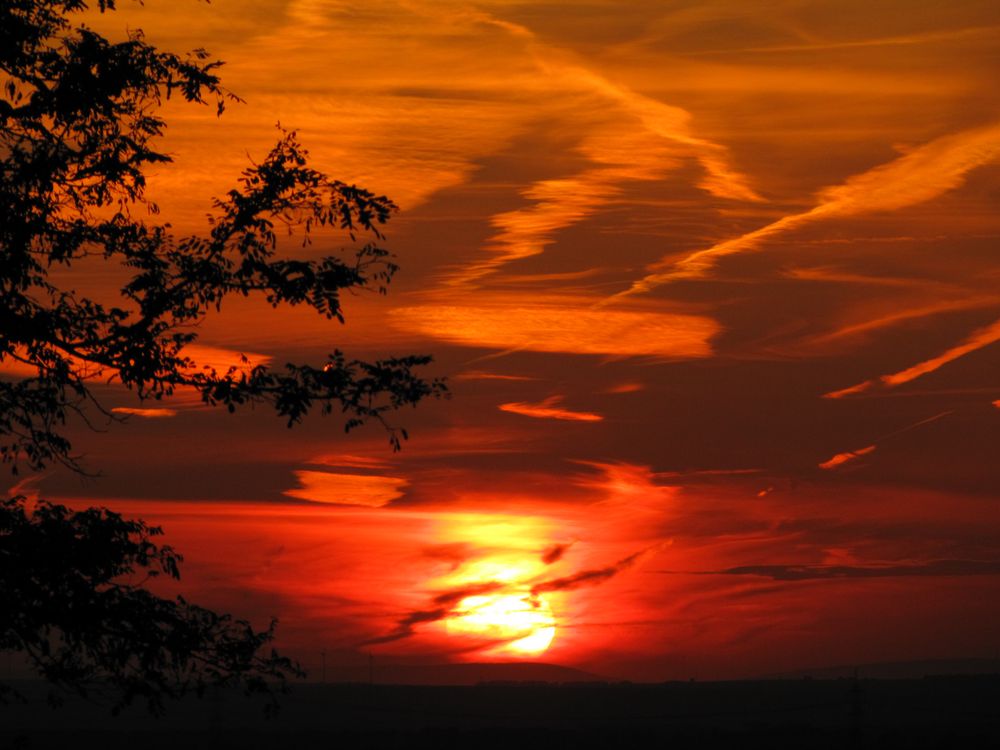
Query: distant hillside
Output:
(461,674)
(898,670)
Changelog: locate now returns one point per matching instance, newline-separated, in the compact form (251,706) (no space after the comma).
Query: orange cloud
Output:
(222,359)
(145,413)
(901,316)
(921,174)
(548,409)
(654,140)
(669,122)
(559,203)
(977,340)
(626,388)
(203,356)
(563,325)
(483,375)
(840,459)
(352,461)
(920,38)
(347,489)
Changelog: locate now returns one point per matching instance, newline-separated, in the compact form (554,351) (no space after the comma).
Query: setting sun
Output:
(522,623)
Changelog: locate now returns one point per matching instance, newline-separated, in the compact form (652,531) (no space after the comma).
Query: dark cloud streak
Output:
(587,577)
(554,553)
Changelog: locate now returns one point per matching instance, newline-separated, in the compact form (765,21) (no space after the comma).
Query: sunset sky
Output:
(715,287)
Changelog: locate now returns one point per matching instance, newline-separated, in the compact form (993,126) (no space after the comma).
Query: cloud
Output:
(557,204)
(628,484)
(445,604)
(817,45)
(653,140)
(222,359)
(920,175)
(666,121)
(27,488)
(896,317)
(453,554)
(568,325)
(840,459)
(405,628)
(548,409)
(145,413)
(347,489)
(476,589)
(555,553)
(350,461)
(819,572)
(445,608)
(974,342)
(483,375)
(203,356)
(592,577)
(627,387)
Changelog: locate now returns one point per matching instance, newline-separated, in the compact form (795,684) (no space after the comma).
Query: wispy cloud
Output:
(592,577)
(667,121)
(347,489)
(627,387)
(348,460)
(561,325)
(653,140)
(974,342)
(202,358)
(840,459)
(880,322)
(558,203)
(822,45)
(448,604)
(223,359)
(549,409)
(145,413)
(484,375)
(887,570)
(921,174)
(849,457)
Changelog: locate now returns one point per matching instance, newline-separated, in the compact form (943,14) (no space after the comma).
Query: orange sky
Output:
(715,286)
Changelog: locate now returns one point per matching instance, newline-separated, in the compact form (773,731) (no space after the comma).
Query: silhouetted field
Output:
(942,712)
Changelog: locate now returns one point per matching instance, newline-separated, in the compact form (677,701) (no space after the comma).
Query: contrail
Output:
(920,175)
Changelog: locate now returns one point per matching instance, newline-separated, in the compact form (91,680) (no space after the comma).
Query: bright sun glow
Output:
(499,617)
(524,625)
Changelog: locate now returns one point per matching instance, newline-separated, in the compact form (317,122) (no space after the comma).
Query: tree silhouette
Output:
(75,605)
(78,125)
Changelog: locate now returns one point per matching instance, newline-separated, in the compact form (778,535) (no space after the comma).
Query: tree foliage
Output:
(76,605)
(78,129)
(78,124)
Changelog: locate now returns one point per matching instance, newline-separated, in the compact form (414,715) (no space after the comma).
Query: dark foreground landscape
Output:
(946,712)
